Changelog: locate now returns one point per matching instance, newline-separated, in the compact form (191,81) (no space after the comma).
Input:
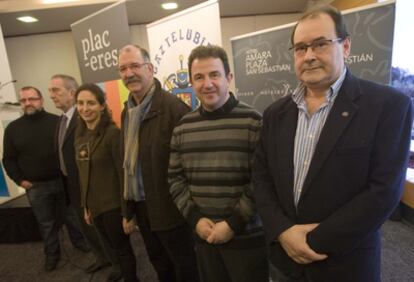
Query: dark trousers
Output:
(279,276)
(225,263)
(99,245)
(109,225)
(48,202)
(171,252)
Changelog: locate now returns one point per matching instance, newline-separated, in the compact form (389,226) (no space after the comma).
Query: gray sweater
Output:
(210,164)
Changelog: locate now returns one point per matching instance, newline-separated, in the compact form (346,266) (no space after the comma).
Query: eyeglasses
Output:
(318,46)
(30,100)
(132,67)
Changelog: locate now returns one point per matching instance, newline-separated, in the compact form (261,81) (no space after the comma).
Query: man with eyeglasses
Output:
(31,161)
(148,119)
(330,164)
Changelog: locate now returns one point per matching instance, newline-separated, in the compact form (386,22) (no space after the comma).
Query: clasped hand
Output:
(214,233)
(293,241)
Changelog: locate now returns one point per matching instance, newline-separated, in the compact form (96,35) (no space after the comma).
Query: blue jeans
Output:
(47,199)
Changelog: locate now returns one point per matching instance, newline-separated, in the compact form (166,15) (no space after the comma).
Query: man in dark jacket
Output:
(32,163)
(148,120)
(331,161)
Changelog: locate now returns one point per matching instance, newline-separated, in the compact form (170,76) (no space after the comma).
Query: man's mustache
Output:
(131,79)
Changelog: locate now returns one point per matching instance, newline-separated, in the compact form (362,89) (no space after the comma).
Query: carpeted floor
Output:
(397,252)
(24,262)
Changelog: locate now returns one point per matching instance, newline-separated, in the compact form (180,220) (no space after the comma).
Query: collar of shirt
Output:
(227,107)
(298,95)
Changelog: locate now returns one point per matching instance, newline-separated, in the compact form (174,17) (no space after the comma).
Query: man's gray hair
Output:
(132,47)
(69,82)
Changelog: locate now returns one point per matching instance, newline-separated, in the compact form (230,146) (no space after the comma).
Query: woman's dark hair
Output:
(94,89)
(106,117)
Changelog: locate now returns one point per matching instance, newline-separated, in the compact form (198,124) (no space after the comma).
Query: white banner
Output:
(8,189)
(171,40)
(7,92)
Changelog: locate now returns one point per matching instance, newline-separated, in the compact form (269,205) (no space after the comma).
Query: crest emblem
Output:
(178,84)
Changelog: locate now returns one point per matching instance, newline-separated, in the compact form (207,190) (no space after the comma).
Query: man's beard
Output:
(31,111)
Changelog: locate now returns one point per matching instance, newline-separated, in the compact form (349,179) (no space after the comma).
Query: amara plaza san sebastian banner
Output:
(264,67)
(171,40)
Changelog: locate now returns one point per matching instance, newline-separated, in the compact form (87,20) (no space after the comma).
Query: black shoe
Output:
(114,276)
(51,263)
(83,247)
(96,266)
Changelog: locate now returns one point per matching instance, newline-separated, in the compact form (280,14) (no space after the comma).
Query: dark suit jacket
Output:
(68,150)
(354,181)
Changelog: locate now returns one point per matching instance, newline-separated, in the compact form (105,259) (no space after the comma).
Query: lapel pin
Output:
(345,114)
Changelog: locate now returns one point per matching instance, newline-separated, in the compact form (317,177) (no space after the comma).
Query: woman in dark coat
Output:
(97,142)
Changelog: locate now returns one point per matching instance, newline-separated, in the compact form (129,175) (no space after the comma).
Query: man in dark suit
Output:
(330,165)
(62,90)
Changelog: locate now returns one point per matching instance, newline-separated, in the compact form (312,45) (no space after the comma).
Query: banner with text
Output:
(98,38)
(171,40)
(8,112)
(264,67)
(7,92)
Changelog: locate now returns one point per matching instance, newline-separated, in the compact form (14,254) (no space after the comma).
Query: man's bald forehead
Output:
(132,48)
(129,48)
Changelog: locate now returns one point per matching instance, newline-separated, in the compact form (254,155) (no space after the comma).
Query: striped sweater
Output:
(210,164)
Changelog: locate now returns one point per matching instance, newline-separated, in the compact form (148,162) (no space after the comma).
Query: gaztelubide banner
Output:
(171,40)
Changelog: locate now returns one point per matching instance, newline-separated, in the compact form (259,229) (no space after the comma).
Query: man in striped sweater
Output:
(209,174)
